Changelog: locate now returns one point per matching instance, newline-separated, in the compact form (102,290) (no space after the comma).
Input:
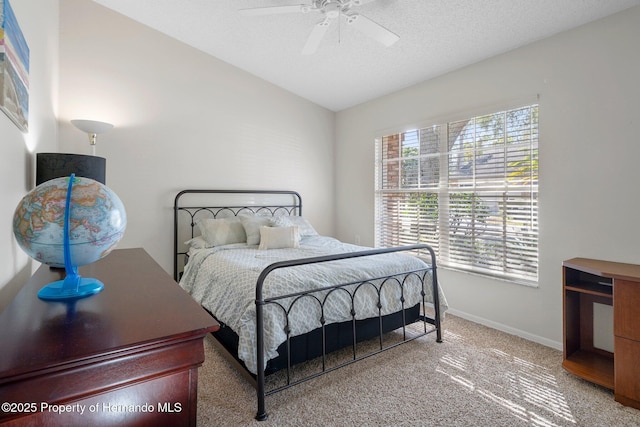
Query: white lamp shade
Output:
(92,126)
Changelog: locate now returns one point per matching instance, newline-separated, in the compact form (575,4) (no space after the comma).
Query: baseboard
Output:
(508,329)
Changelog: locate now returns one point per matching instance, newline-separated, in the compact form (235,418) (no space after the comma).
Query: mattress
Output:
(223,280)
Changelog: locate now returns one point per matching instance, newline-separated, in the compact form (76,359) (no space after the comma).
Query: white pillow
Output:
(306,229)
(252,224)
(279,237)
(196,243)
(224,231)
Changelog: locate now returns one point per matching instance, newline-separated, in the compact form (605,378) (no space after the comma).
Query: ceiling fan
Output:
(331,10)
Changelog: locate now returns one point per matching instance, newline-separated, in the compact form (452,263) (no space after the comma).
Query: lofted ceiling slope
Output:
(348,67)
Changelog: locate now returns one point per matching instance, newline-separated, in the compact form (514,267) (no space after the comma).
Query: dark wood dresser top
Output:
(140,307)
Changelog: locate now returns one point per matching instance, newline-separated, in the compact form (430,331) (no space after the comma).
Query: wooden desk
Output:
(128,355)
(588,281)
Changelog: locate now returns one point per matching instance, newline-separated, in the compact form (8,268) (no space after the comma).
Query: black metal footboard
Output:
(398,279)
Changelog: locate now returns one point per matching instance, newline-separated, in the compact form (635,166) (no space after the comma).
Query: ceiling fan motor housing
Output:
(332,10)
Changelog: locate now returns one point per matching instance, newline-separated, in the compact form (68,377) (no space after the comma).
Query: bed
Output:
(285,295)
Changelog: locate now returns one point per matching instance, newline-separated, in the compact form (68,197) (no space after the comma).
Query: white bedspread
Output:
(223,280)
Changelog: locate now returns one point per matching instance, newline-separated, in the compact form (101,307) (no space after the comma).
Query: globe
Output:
(96,223)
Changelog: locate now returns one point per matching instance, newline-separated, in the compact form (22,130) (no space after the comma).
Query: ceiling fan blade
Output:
(361,2)
(316,36)
(371,29)
(273,10)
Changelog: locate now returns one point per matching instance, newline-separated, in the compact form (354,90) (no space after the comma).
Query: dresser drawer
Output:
(626,309)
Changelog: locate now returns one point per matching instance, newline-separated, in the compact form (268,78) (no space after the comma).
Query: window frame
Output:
(517,202)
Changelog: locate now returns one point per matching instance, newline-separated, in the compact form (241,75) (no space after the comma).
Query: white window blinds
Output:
(468,188)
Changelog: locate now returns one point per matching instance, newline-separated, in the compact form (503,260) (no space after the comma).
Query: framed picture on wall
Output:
(14,68)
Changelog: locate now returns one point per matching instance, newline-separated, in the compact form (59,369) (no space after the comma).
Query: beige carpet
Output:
(477,377)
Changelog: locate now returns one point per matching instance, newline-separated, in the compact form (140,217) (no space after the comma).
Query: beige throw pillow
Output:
(279,237)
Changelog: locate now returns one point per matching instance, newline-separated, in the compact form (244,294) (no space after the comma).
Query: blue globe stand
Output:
(73,286)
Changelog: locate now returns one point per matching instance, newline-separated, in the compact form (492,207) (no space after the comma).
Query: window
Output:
(468,188)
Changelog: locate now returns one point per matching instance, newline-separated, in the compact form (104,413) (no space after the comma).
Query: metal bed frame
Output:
(293,208)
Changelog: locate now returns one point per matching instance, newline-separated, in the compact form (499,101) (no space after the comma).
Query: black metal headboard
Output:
(192,205)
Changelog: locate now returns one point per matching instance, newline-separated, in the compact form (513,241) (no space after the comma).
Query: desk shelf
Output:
(594,367)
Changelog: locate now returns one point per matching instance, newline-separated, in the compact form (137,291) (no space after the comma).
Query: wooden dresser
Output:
(588,281)
(126,356)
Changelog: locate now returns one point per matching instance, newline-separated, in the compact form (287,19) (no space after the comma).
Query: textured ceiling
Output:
(436,36)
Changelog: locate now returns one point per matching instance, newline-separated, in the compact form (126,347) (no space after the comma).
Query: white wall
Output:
(587,80)
(184,119)
(39,23)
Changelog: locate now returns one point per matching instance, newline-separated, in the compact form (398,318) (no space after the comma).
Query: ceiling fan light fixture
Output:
(332,10)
